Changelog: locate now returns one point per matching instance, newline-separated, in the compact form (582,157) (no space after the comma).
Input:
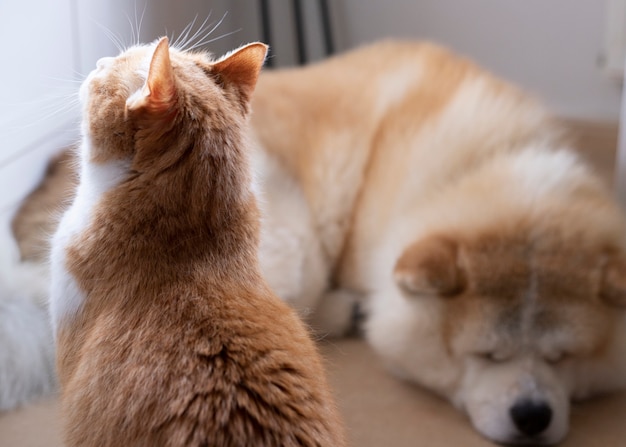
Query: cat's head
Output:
(151,94)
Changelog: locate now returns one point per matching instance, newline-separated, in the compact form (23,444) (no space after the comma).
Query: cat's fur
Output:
(166,332)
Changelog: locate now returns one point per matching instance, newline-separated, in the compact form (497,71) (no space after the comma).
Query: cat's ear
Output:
(240,69)
(158,95)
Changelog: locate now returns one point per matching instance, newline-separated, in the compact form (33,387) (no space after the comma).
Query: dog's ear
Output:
(613,286)
(430,266)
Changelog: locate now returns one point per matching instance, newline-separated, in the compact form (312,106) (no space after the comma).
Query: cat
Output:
(166,332)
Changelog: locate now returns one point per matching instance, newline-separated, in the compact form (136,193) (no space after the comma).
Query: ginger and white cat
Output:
(166,332)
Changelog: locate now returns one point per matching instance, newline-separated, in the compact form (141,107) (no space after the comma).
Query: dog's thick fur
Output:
(488,257)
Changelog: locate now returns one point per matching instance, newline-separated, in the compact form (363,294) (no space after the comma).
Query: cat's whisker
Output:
(136,28)
(65,108)
(64,80)
(198,32)
(68,104)
(78,74)
(114,38)
(136,34)
(182,37)
(50,111)
(143,13)
(48,101)
(133,37)
(207,34)
(214,39)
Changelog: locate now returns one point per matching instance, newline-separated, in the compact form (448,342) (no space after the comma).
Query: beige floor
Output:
(378,410)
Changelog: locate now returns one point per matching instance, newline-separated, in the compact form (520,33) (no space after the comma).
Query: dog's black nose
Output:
(531,418)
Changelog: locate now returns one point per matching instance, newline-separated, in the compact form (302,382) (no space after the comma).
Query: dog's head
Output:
(510,328)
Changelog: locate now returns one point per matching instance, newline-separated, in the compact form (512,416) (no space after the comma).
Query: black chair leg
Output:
(266,28)
(298,20)
(327,27)
(298,23)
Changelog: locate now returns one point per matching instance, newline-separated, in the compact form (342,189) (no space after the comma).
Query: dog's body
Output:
(488,256)
(356,142)
(489,260)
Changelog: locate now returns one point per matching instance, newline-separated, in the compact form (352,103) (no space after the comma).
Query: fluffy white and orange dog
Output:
(490,260)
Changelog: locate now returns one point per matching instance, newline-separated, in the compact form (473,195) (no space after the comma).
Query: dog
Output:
(490,260)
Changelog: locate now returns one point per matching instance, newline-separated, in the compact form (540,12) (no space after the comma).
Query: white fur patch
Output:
(489,391)
(541,172)
(95,180)
(290,254)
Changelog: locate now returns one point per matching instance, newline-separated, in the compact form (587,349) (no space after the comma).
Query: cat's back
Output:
(212,364)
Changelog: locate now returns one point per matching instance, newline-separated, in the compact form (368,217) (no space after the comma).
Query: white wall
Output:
(551,47)
(35,90)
